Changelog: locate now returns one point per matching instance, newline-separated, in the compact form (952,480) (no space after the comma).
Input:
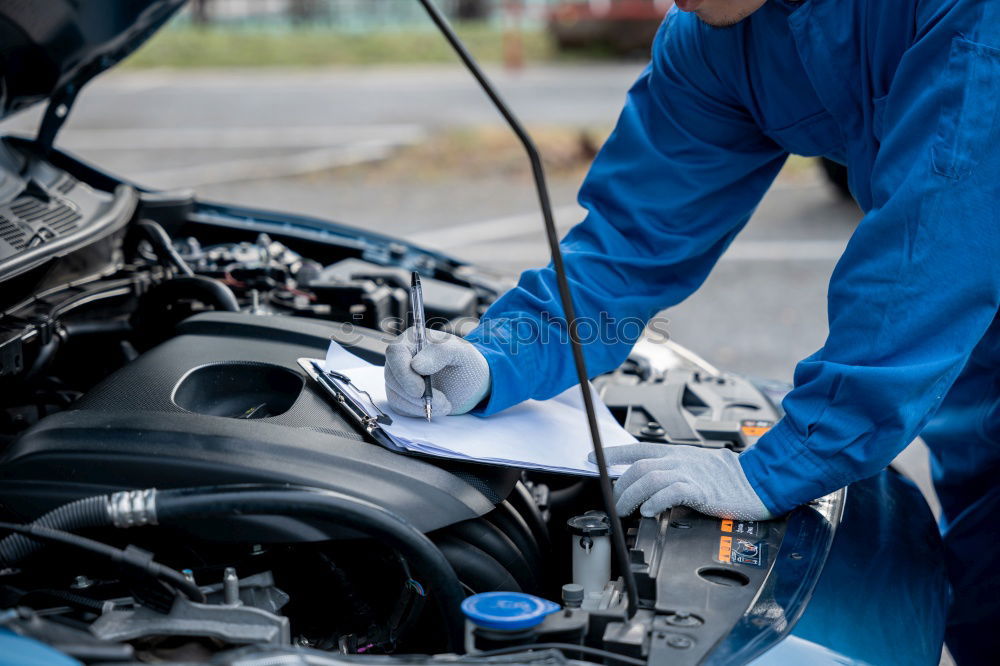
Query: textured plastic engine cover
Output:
(129,432)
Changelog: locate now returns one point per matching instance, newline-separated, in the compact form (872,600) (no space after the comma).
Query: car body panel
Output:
(883,593)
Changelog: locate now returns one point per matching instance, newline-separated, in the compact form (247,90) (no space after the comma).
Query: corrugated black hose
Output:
(179,506)
(78,515)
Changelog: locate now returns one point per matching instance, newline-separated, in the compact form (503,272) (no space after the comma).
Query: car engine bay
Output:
(149,341)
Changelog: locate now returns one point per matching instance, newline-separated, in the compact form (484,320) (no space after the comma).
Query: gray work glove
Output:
(662,476)
(460,376)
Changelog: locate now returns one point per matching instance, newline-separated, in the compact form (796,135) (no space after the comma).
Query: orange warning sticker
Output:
(727,526)
(755,428)
(725,549)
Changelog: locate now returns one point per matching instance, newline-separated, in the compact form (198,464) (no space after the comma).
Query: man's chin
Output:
(721,22)
(721,13)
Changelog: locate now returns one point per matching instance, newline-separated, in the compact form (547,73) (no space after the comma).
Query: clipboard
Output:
(354,401)
(510,438)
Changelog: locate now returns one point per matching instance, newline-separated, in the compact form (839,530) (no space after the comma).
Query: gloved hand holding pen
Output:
(460,376)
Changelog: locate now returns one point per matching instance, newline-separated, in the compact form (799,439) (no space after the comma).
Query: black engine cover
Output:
(225,402)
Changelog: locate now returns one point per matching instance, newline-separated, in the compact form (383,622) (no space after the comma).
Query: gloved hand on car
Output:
(460,376)
(662,476)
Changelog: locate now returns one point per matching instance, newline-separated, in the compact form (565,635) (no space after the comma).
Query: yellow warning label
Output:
(755,428)
(725,549)
(727,526)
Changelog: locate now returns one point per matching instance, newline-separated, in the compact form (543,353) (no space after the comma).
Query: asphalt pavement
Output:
(285,139)
(198,127)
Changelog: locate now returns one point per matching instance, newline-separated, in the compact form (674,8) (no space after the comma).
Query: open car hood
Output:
(51,48)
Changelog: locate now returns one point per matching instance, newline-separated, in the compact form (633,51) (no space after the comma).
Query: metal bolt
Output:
(679,642)
(680,524)
(81,583)
(682,619)
(653,429)
(231,587)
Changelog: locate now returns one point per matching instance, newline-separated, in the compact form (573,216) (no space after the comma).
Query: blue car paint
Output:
(857,580)
(23,651)
(795,650)
(883,595)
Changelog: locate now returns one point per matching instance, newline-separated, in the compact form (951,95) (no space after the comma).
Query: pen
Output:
(419,323)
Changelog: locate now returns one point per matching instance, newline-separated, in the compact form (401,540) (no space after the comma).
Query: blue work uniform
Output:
(906,93)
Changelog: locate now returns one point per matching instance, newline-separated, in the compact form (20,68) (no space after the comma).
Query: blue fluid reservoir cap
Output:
(507,611)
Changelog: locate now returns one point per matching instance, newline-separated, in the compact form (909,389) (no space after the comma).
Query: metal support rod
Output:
(617,533)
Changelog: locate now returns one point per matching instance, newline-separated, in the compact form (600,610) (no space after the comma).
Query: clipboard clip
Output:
(348,394)
(381,417)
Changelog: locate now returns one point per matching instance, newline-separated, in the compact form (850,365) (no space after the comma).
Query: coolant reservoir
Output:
(591,551)
(496,620)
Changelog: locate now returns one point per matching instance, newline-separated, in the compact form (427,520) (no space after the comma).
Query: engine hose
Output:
(506,517)
(45,355)
(522,500)
(81,514)
(77,601)
(563,496)
(491,540)
(510,522)
(477,569)
(164,247)
(214,292)
(178,507)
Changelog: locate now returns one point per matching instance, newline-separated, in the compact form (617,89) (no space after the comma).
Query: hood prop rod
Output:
(538,172)
(55,116)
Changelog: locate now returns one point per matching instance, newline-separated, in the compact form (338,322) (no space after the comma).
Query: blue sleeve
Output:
(919,283)
(678,178)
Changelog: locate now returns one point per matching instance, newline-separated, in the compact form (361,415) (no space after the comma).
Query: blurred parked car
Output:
(622,26)
(626,27)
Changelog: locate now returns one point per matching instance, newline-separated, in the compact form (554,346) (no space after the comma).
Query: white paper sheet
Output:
(550,435)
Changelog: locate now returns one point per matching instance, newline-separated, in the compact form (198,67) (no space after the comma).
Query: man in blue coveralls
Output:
(906,93)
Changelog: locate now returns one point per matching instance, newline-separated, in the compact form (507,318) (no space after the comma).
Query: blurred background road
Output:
(417,151)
